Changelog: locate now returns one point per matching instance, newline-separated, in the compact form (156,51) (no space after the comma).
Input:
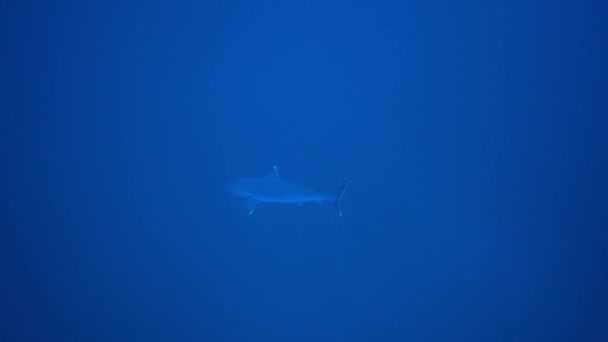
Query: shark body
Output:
(273,189)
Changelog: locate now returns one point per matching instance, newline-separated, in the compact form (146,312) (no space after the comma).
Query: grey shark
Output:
(273,189)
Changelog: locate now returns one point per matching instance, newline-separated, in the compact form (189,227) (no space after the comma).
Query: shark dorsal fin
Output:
(275,173)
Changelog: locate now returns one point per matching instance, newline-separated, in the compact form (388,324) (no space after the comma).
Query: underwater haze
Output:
(474,136)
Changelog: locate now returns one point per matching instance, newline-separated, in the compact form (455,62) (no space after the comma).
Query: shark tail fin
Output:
(339,196)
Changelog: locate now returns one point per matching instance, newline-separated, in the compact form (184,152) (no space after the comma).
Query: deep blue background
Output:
(474,134)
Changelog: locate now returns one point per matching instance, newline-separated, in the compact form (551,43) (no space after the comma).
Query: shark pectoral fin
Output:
(251,205)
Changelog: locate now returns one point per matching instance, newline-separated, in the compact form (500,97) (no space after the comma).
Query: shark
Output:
(274,189)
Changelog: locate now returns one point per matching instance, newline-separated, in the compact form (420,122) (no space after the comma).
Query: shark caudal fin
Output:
(339,195)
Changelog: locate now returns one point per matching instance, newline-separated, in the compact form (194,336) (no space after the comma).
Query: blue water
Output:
(474,136)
